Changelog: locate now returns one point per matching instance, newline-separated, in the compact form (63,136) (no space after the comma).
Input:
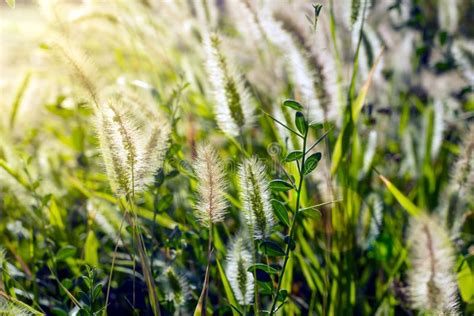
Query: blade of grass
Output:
(355,111)
(401,198)
(227,289)
(359,101)
(18,97)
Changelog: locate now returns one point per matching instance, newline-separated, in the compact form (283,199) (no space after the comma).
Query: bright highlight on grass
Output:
(236,157)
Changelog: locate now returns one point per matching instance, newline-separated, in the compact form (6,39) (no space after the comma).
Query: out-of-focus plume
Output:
(239,259)
(432,282)
(233,108)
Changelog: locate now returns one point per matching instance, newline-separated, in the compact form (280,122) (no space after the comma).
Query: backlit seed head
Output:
(177,287)
(239,259)
(212,205)
(81,68)
(297,63)
(132,151)
(432,282)
(255,196)
(232,105)
(9,308)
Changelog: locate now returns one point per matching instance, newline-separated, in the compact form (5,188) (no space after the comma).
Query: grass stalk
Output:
(293,224)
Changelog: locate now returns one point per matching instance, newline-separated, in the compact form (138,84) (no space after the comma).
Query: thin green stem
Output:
(318,141)
(256,301)
(114,255)
(143,260)
(292,227)
(134,268)
(238,145)
(201,308)
(271,276)
(284,125)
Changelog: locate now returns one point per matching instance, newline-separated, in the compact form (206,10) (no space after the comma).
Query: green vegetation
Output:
(237,157)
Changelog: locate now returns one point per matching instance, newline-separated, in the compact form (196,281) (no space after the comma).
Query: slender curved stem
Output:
(256,304)
(114,255)
(205,287)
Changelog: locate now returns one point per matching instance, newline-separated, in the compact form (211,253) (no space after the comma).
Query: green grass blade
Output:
(19,96)
(228,290)
(401,198)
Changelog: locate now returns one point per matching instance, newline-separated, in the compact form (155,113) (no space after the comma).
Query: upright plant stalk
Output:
(256,303)
(293,223)
(211,205)
(132,151)
(201,307)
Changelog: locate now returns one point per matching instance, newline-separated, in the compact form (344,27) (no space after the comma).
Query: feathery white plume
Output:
(359,12)
(132,152)
(464,167)
(321,64)
(211,206)
(206,13)
(432,282)
(376,205)
(82,69)
(370,49)
(233,107)
(239,259)
(8,308)
(255,196)
(284,134)
(448,15)
(298,66)
(460,189)
(370,150)
(246,20)
(327,85)
(177,288)
(370,221)
(463,54)
(438,128)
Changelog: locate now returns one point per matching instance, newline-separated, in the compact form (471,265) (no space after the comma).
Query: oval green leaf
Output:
(300,123)
(293,104)
(271,249)
(294,155)
(311,163)
(280,185)
(262,276)
(280,211)
(310,212)
(65,252)
(282,295)
(263,267)
(316,125)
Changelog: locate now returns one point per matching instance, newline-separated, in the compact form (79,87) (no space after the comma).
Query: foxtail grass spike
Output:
(255,197)
(177,287)
(298,67)
(448,15)
(82,69)
(212,205)
(132,153)
(432,282)
(10,309)
(239,259)
(232,105)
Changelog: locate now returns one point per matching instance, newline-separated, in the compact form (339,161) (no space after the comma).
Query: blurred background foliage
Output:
(59,217)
